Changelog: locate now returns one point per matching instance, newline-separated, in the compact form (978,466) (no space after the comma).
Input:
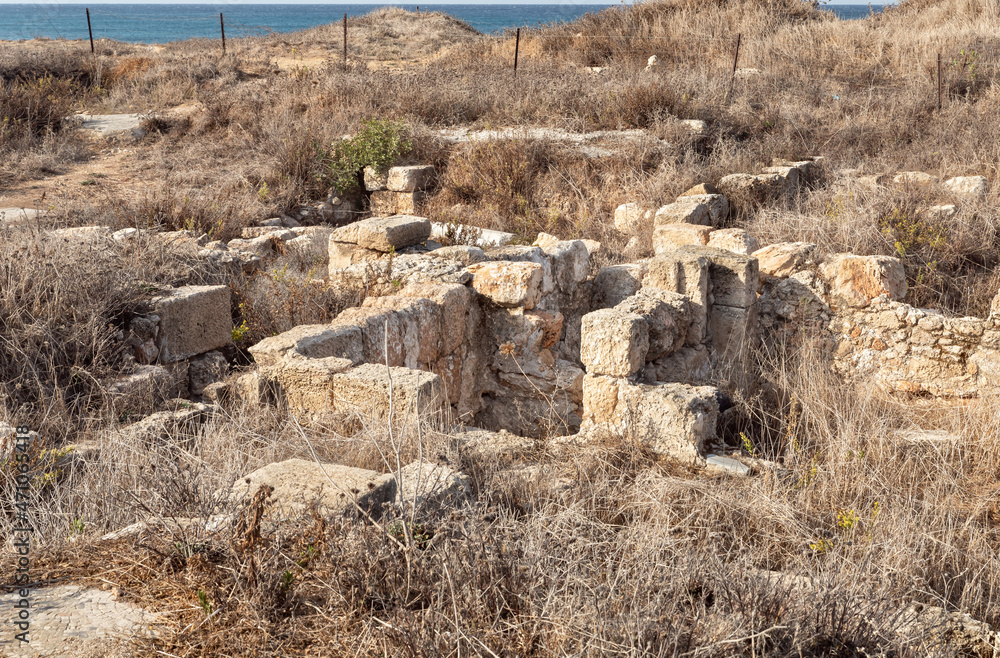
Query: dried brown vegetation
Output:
(603,551)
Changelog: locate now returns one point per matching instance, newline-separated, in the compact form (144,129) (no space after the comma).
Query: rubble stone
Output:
(614,342)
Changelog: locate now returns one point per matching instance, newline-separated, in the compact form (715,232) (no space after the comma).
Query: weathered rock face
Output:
(614,342)
(193,320)
(390,233)
(670,419)
(335,490)
(410,178)
(509,284)
(969,188)
(669,237)
(736,240)
(633,218)
(686,210)
(856,280)
(784,258)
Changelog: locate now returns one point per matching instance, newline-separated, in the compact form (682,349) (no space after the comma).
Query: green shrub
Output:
(378,144)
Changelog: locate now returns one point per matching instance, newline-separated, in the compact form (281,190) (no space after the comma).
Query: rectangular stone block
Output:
(388,233)
(613,342)
(421,327)
(718,206)
(410,179)
(365,389)
(508,284)
(382,203)
(674,420)
(570,263)
(193,320)
(669,237)
(375,180)
(305,383)
(341,254)
(411,203)
(668,316)
(454,300)
(379,328)
(317,341)
(615,283)
(734,277)
(687,274)
(683,211)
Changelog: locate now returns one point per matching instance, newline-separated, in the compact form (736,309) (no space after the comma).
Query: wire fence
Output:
(957,66)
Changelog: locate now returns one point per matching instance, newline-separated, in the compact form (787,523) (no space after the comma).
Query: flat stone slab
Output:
(108,124)
(388,233)
(484,237)
(16,216)
(71,620)
(726,465)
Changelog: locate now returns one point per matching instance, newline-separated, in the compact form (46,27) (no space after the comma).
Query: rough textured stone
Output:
(718,206)
(735,240)
(734,277)
(375,180)
(856,280)
(673,420)
(305,383)
(784,258)
(938,632)
(614,342)
(685,273)
(335,490)
(193,320)
(419,322)
(669,237)
(633,218)
(685,210)
(701,189)
(616,282)
(206,369)
(387,202)
(667,314)
(410,179)
(688,365)
(914,178)
(464,254)
(570,263)
(756,188)
(508,283)
(514,253)
(970,188)
(317,341)
(431,488)
(733,332)
(392,233)
(365,389)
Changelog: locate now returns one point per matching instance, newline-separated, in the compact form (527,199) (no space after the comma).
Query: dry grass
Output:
(598,551)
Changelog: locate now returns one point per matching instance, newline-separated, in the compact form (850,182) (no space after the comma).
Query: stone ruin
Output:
(536,340)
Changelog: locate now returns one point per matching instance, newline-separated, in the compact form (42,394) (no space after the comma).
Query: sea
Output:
(162,23)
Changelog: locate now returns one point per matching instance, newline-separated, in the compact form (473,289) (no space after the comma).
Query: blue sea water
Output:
(160,23)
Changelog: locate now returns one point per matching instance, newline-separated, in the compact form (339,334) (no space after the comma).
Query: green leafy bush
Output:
(378,144)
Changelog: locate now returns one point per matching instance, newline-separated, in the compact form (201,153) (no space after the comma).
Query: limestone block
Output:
(970,188)
(688,365)
(335,490)
(914,179)
(686,273)
(380,328)
(734,277)
(673,420)
(392,233)
(508,284)
(570,263)
(206,369)
(685,210)
(545,240)
(464,254)
(701,189)
(856,280)
(668,316)
(148,384)
(735,240)
(616,282)
(193,320)
(718,206)
(341,254)
(594,248)
(759,188)
(783,259)
(420,321)
(454,300)
(317,341)
(365,389)
(386,202)
(375,180)
(791,174)
(431,488)
(410,179)
(945,211)
(613,342)
(669,237)
(733,331)
(347,233)
(527,254)
(305,383)
(449,369)
(633,218)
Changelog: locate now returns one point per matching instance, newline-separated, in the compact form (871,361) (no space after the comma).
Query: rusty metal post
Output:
(222,26)
(736,61)
(345,42)
(940,86)
(90,32)
(517,47)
